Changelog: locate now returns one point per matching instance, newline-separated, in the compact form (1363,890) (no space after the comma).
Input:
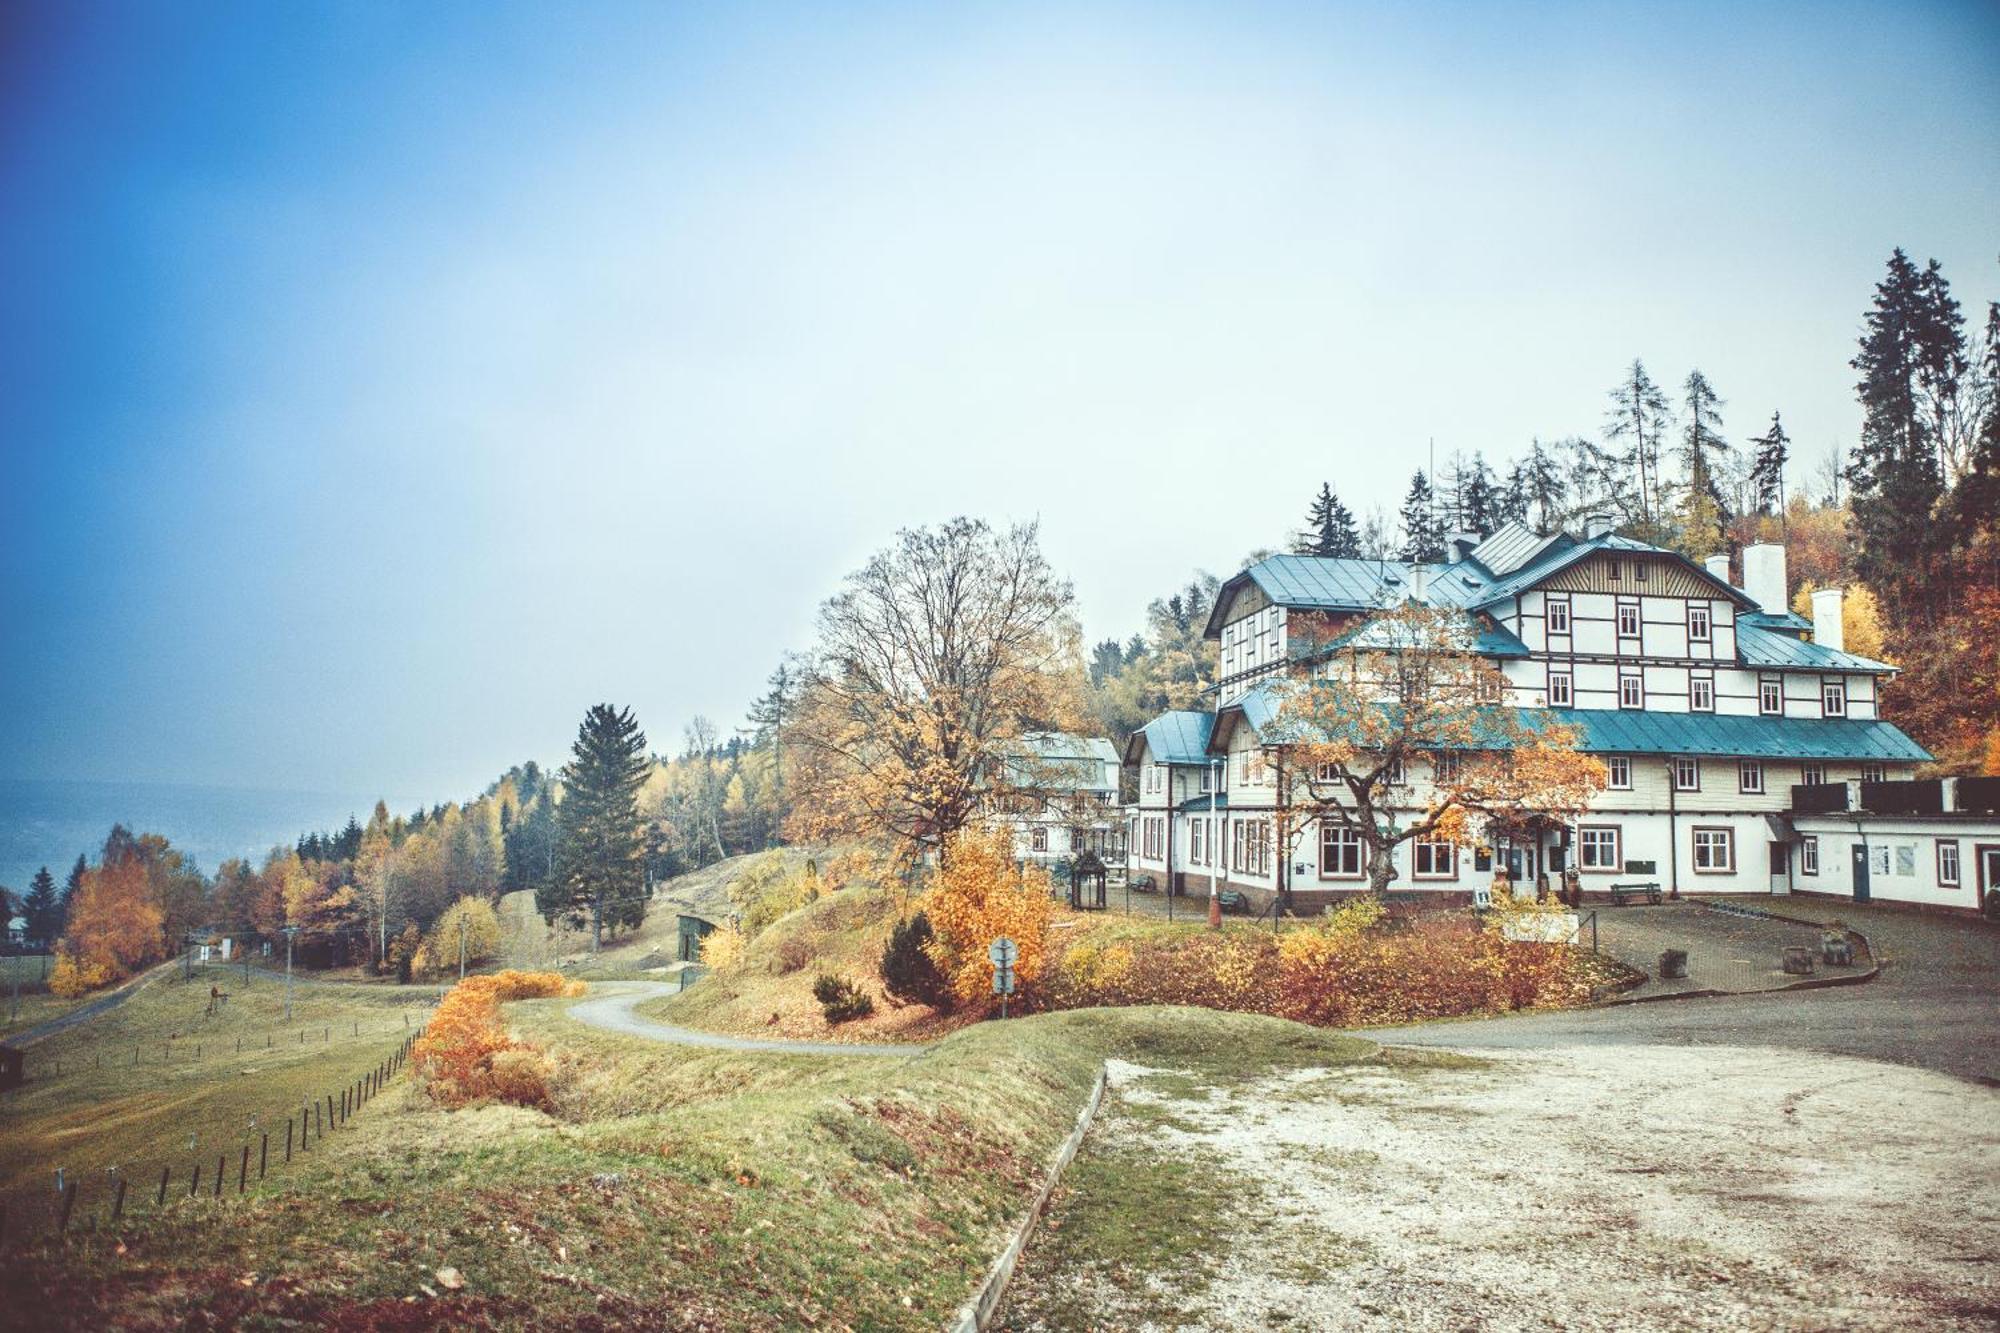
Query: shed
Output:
(693,930)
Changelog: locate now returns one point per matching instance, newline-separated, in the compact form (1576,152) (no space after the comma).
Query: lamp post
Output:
(1214,886)
(291,932)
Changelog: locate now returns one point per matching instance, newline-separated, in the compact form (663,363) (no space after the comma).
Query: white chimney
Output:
(1718,565)
(1764,577)
(1596,525)
(1829,630)
(1419,581)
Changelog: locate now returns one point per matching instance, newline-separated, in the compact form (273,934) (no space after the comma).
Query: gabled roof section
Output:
(1063,745)
(1560,557)
(1789,623)
(1514,546)
(1174,738)
(1757,647)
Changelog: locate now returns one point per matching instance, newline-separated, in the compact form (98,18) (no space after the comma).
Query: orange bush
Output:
(976,898)
(71,976)
(465,1054)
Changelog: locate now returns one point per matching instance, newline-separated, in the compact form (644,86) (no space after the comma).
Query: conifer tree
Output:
(43,909)
(1704,514)
(1767,468)
(1329,529)
(600,870)
(74,882)
(1638,421)
(1911,359)
(1423,534)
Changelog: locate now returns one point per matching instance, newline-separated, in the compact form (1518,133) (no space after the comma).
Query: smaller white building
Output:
(1933,843)
(1059,793)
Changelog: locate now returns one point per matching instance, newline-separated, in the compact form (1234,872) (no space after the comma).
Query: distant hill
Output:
(49,823)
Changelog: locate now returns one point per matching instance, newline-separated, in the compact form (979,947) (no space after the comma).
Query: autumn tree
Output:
(468,931)
(600,869)
(977,896)
(1400,696)
(114,921)
(935,653)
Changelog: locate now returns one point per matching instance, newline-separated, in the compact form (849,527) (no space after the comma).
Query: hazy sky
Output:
(380,386)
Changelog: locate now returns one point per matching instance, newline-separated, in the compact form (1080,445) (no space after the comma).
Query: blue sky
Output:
(380,386)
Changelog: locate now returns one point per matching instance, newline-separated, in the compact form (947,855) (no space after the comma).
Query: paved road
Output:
(612,1011)
(1935,1006)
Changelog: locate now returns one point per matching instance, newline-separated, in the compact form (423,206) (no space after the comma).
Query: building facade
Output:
(1059,797)
(1708,703)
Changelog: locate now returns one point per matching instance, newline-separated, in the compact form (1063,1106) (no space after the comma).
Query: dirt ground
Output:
(1577,1188)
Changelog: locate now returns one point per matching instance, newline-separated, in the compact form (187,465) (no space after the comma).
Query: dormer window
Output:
(1638,571)
(1833,698)
(1770,697)
(1615,570)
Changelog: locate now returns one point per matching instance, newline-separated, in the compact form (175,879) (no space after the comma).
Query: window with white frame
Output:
(1156,779)
(1339,852)
(1809,855)
(1947,864)
(1618,772)
(1873,773)
(1198,842)
(1833,698)
(1631,690)
(1770,696)
(1701,694)
(1750,777)
(1616,570)
(1628,620)
(1687,774)
(1700,626)
(1639,570)
(1076,840)
(1812,775)
(1559,615)
(1560,693)
(1446,765)
(1714,850)
(1038,838)
(1597,847)
(1435,860)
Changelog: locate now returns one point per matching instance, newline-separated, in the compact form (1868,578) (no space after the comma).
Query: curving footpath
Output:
(613,1013)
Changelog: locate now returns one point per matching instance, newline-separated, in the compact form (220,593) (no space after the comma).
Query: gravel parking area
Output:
(1588,1188)
(1727,950)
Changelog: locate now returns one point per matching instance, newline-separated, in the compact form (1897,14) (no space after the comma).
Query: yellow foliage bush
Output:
(465,1054)
(977,896)
(722,948)
(71,976)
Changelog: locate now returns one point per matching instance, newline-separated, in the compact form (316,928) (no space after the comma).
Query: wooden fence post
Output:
(161,1202)
(264,1154)
(69,1202)
(194,1181)
(243,1171)
(118,1202)
(288,1139)
(221,1159)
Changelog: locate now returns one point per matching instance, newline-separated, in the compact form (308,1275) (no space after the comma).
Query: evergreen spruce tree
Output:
(600,865)
(1479,500)
(1767,468)
(43,909)
(72,884)
(1423,533)
(1911,359)
(1704,512)
(1329,529)
(1547,488)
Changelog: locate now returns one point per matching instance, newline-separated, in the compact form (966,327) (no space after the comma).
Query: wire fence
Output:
(79,1202)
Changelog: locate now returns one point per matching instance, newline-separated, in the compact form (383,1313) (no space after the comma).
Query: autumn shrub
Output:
(467,929)
(840,999)
(793,952)
(465,1054)
(908,971)
(71,976)
(977,896)
(722,948)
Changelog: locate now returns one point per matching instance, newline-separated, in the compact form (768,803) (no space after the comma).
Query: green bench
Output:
(1649,890)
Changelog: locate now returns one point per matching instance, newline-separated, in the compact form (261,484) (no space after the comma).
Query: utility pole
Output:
(290,933)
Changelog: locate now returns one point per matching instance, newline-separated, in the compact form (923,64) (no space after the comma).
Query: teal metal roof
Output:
(1174,738)
(1632,731)
(1619,731)
(1757,647)
(1766,620)
(1561,557)
(1199,804)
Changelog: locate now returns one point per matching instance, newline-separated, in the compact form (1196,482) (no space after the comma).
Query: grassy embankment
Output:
(35,1005)
(671,1188)
(130,1087)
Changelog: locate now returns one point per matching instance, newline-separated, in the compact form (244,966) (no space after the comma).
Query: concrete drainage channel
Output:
(976,1314)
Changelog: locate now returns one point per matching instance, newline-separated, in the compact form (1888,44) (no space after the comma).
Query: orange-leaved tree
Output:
(978,895)
(114,927)
(1394,727)
(934,654)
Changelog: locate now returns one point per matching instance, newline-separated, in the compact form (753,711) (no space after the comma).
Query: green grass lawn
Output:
(672,1188)
(133,1087)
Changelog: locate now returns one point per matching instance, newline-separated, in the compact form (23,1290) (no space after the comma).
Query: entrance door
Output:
(1988,857)
(1781,867)
(1521,869)
(1860,872)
